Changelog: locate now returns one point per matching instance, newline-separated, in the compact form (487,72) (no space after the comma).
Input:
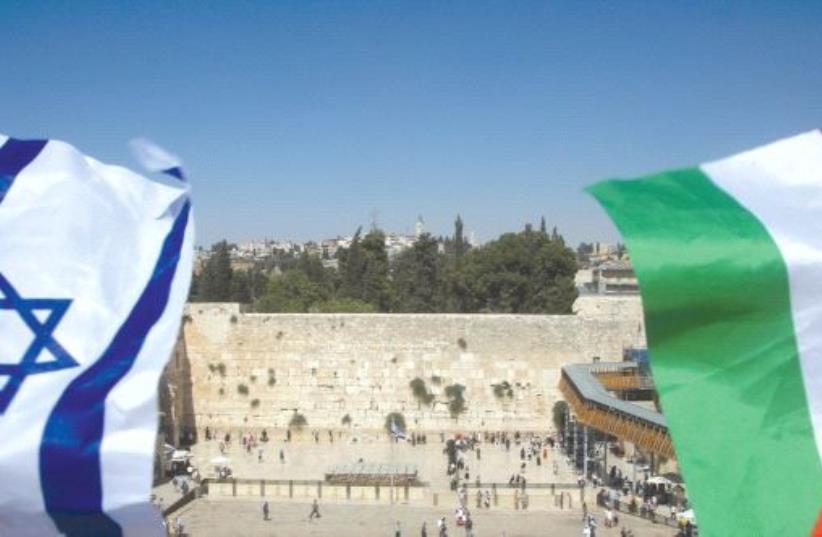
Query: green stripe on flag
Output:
(723,352)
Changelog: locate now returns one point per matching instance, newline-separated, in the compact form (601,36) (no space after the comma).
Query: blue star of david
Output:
(43,339)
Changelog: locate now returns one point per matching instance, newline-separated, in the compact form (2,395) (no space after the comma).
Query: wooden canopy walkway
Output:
(586,389)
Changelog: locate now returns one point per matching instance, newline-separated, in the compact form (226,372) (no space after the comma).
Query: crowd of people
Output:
(533,451)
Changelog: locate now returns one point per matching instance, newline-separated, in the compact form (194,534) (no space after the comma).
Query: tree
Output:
(542,228)
(299,289)
(293,292)
(523,272)
(364,270)
(312,267)
(240,287)
(459,241)
(584,251)
(620,250)
(417,278)
(194,290)
(556,237)
(351,267)
(215,281)
(342,305)
(375,286)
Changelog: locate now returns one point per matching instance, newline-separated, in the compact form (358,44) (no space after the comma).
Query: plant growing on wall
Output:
(255,403)
(503,390)
(436,380)
(346,420)
(253,378)
(397,419)
(297,422)
(456,399)
(272,378)
(221,369)
(462,343)
(242,389)
(420,391)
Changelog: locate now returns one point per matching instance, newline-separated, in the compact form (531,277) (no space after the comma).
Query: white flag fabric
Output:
(155,158)
(95,266)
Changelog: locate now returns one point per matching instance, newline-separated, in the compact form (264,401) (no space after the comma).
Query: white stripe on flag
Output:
(781,184)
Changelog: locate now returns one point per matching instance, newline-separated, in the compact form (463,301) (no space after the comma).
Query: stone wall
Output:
(255,370)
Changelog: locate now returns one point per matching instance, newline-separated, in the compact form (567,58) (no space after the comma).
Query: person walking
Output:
(315,511)
(443,529)
(469,527)
(397,529)
(265,510)
(424,530)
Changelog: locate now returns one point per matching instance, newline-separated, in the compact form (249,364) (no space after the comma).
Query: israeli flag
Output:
(95,266)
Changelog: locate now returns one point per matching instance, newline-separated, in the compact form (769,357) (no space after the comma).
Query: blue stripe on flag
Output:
(70,472)
(14,156)
(176,172)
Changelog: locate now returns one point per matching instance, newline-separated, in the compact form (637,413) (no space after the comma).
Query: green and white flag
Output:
(729,260)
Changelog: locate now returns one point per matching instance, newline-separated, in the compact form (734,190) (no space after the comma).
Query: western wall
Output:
(242,371)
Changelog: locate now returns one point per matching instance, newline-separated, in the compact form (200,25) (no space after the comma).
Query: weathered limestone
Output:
(327,366)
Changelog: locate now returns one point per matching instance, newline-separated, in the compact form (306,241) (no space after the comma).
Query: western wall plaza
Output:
(413,421)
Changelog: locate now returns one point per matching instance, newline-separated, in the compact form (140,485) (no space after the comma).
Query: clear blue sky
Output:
(301,119)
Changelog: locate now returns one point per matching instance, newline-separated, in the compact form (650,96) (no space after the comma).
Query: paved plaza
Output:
(307,459)
(204,518)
